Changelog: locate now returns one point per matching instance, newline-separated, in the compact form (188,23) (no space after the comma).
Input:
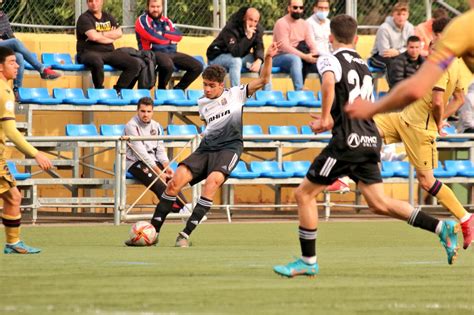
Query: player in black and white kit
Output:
(353,151)
(221,144)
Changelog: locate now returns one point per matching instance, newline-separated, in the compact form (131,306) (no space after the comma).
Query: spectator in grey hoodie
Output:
(392,36)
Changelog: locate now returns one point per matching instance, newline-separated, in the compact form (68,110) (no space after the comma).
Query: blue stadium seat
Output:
(182,130)
(173,97)
(387,169)
(269,169)
(61,62)
(112,130)
(319,95)
(284,130)
(17,175)
(241,171)
(28,65)
(303,98)
(106,67)
(400,168)
(442,172)
(306,130)
(37,96)
(461,167)
(78,130)
(106,97)
(73,96)
(194,95)
(132,96)
(201,60)
(252,102)
(451,130)
(273,98)
(253,130)
(373,69)
(298,168)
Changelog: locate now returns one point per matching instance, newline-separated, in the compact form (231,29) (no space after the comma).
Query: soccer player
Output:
(354,150)
(457,40)
(220,148)
(418,125)
(11,196)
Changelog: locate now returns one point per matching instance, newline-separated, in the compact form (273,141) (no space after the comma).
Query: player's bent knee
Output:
(13,198)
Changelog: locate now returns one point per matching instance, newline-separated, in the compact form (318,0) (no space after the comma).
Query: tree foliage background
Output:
(200,13)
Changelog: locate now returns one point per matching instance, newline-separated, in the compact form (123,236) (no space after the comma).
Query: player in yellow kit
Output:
(457,40)
(11,216)
(418,125)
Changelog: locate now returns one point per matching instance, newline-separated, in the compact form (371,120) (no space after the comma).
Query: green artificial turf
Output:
(365,268)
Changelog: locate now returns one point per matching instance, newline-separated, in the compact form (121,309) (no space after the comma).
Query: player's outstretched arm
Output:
(264,78)
(20,142)
(403,94)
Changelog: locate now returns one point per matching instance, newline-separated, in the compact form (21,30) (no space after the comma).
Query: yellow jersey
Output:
(419,113)
(7,112)
(457,39)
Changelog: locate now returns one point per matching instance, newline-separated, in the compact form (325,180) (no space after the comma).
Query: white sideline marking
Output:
(432,262)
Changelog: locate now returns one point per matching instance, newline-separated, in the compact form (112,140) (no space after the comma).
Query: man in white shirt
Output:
(320,25)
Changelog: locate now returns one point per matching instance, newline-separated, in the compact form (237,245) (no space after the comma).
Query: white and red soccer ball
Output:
(143,233)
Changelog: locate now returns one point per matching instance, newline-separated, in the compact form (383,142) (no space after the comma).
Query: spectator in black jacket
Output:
(239,44)
(407,63)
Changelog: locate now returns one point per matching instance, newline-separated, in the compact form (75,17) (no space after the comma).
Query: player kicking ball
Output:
(353,151)
(220,148)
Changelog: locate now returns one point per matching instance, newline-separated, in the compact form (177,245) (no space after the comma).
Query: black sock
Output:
(422,220)
(435,188)
(199,212)
(307,241)
(162,210)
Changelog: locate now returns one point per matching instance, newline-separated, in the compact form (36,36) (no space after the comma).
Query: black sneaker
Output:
(182,240)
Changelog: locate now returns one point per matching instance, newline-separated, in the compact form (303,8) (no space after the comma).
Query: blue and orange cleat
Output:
(297,268)
(20,248)
(449,239)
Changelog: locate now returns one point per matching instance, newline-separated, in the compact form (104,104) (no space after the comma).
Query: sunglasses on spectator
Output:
(296,7)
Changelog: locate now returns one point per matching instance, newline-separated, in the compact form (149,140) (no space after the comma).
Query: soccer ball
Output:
(143,233)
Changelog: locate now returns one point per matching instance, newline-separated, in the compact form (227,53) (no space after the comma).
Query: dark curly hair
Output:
(214,73)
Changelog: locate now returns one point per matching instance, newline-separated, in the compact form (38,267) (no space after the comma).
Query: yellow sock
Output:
(448,199)
(12,228)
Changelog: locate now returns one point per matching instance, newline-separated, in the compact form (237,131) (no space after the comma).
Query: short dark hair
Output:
(318,1)
(4,53)
(214,73)
(440,24)
(148,2)
(147,101)
(343,28)
(413,39)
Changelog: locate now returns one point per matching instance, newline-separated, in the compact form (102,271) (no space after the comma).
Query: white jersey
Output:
(321,34)
(223,117)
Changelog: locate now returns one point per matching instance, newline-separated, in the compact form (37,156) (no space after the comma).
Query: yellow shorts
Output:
(420,144)
(7,181)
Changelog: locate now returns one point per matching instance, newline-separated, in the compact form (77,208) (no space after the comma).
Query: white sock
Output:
(309,260)
(465,218)
(439,227)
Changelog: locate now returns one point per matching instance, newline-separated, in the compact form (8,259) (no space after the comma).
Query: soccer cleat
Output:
(297,268)
(20,248)
(49,74)
(182,240)
(449,239)
(339,186)
(467,231)
(130,243)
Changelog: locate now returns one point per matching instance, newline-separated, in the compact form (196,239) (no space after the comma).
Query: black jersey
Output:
(353,140)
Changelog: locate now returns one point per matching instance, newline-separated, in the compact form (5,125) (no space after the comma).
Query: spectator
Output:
(7,39)
(96,32)
(466,113)
(297,52)
(156,32)
(391,37)
(406,64)
(425,30)
(239,44)
(320,25)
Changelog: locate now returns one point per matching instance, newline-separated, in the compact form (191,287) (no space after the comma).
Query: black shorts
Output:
(201,164)
(325,170)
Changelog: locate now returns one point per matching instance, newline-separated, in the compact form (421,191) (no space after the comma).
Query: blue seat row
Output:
(17,175)
(276,98)
(76,96)
(90,130)
(451,168)
(270,169)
